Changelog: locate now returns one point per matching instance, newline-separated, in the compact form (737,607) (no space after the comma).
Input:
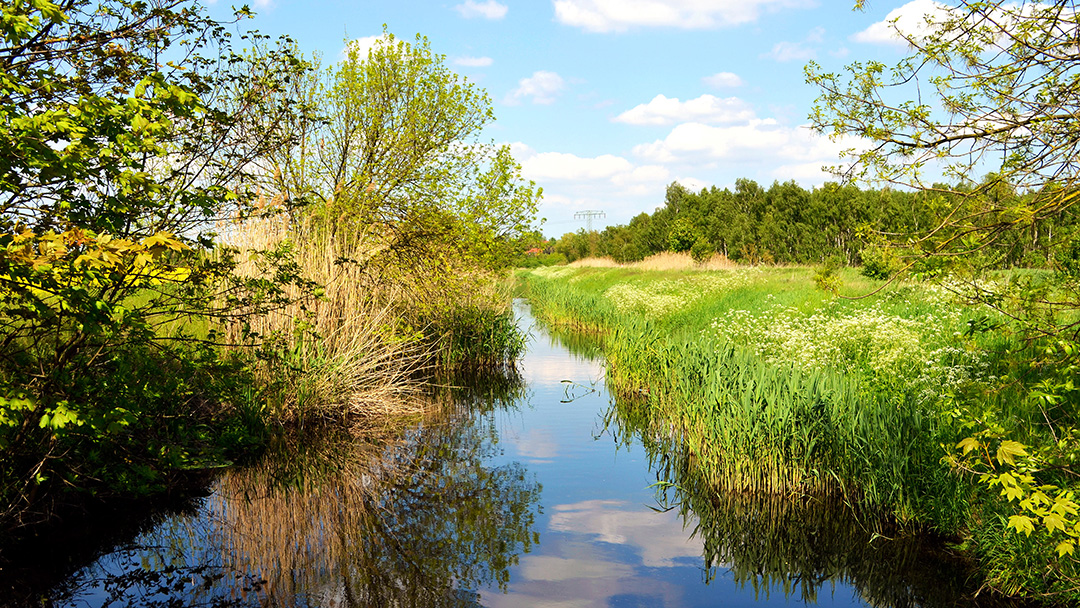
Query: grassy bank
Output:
(776,387)
(351,340)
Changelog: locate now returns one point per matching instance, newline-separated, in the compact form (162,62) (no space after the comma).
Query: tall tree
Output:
(992,88)
(400,159)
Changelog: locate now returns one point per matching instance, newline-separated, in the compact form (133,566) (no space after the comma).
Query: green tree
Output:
(399,159)
(126,130)
(991,90)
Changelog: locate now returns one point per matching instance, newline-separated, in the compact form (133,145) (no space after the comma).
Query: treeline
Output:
(788,224)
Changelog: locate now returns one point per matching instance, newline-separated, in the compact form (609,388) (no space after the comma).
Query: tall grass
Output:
(344,352)
(755,411)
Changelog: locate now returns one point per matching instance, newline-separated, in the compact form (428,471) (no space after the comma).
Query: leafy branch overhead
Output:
(987,100)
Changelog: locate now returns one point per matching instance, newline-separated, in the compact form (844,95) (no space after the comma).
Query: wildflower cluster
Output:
(660,298)
(921,353)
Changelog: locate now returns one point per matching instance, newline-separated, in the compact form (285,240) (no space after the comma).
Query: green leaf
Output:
(1009,450)
(1022,523)
(968,444)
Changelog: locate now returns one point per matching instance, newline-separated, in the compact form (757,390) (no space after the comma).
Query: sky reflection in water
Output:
(544,497)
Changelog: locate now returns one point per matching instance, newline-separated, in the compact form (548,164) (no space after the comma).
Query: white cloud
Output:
(757,141)
(620,15)
(562,166)
(473,62)
(543,87)
(660,540)
(486,10)
(791,51)
(913,19)
(722,80)
(805,173)
(798,51)
(706,109)
(362,46)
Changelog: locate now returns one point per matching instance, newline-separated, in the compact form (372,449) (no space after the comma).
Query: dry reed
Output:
(344,350)
(665,260)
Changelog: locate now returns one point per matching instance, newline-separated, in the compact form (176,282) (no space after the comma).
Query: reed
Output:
(318,509)
(342,350)
(765,421)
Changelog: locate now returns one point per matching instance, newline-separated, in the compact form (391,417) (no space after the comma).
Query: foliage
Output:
(1000,103)
(879,262)
(127,130)
(682,235)
(702,250)
(826,277)
(398,157)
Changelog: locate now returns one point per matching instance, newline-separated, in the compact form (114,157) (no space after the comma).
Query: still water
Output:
(545,492)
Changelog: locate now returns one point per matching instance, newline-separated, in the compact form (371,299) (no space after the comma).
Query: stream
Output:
(539,491)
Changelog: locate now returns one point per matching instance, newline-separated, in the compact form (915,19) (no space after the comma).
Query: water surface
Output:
(546,493)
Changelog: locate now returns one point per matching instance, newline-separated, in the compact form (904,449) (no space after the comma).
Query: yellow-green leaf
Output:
(968,444)
(1065,546)
(1053,521)
(1009,450)
(1022,523)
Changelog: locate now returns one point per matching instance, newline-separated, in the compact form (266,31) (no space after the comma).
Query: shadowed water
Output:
(531,491)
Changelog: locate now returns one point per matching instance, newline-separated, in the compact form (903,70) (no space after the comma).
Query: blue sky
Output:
(606,102)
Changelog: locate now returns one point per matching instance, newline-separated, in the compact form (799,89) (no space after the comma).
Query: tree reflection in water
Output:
(420,520)
(797,545)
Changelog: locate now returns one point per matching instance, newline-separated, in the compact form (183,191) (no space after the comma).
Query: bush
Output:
(702,250)
(879,262)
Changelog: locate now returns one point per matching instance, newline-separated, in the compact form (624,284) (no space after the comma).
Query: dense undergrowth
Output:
(197,255)
(775,387)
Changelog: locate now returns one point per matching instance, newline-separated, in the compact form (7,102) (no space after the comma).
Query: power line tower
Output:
(588,217)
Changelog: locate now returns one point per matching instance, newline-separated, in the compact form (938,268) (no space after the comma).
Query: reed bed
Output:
(663,261)
(753,415)
(344,351)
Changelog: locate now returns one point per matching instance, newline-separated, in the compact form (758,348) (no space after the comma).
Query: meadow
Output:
(776,387)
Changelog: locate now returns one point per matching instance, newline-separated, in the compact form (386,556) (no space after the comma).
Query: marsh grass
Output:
(777,387)
(342,350)
(663,261)
(372,333)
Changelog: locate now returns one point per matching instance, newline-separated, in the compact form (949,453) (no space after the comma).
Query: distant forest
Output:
(788,224)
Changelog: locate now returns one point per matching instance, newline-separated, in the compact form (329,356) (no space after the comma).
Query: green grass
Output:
(778,387)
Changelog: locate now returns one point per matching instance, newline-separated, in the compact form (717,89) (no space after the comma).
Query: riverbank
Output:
(522,489)
(776,387)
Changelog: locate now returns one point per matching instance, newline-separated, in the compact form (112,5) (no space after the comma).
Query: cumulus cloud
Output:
(913,19)
(722,80)
(610,16)
(542,88)
(473,62)
(758,140)
(485,10)
(706,109)
(564,166)
(604,175)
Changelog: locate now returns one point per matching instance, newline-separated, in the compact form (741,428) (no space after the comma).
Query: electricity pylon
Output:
(588,217)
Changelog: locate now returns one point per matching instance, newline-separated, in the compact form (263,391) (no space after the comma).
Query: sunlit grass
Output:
(776,386)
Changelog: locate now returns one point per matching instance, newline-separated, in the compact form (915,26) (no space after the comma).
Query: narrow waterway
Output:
(536,493)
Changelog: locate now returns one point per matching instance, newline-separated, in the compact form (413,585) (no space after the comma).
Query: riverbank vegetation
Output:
(774,386)
(202,244)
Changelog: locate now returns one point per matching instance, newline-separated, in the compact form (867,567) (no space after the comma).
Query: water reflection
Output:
(448,513)
(800,546)
(422,520)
